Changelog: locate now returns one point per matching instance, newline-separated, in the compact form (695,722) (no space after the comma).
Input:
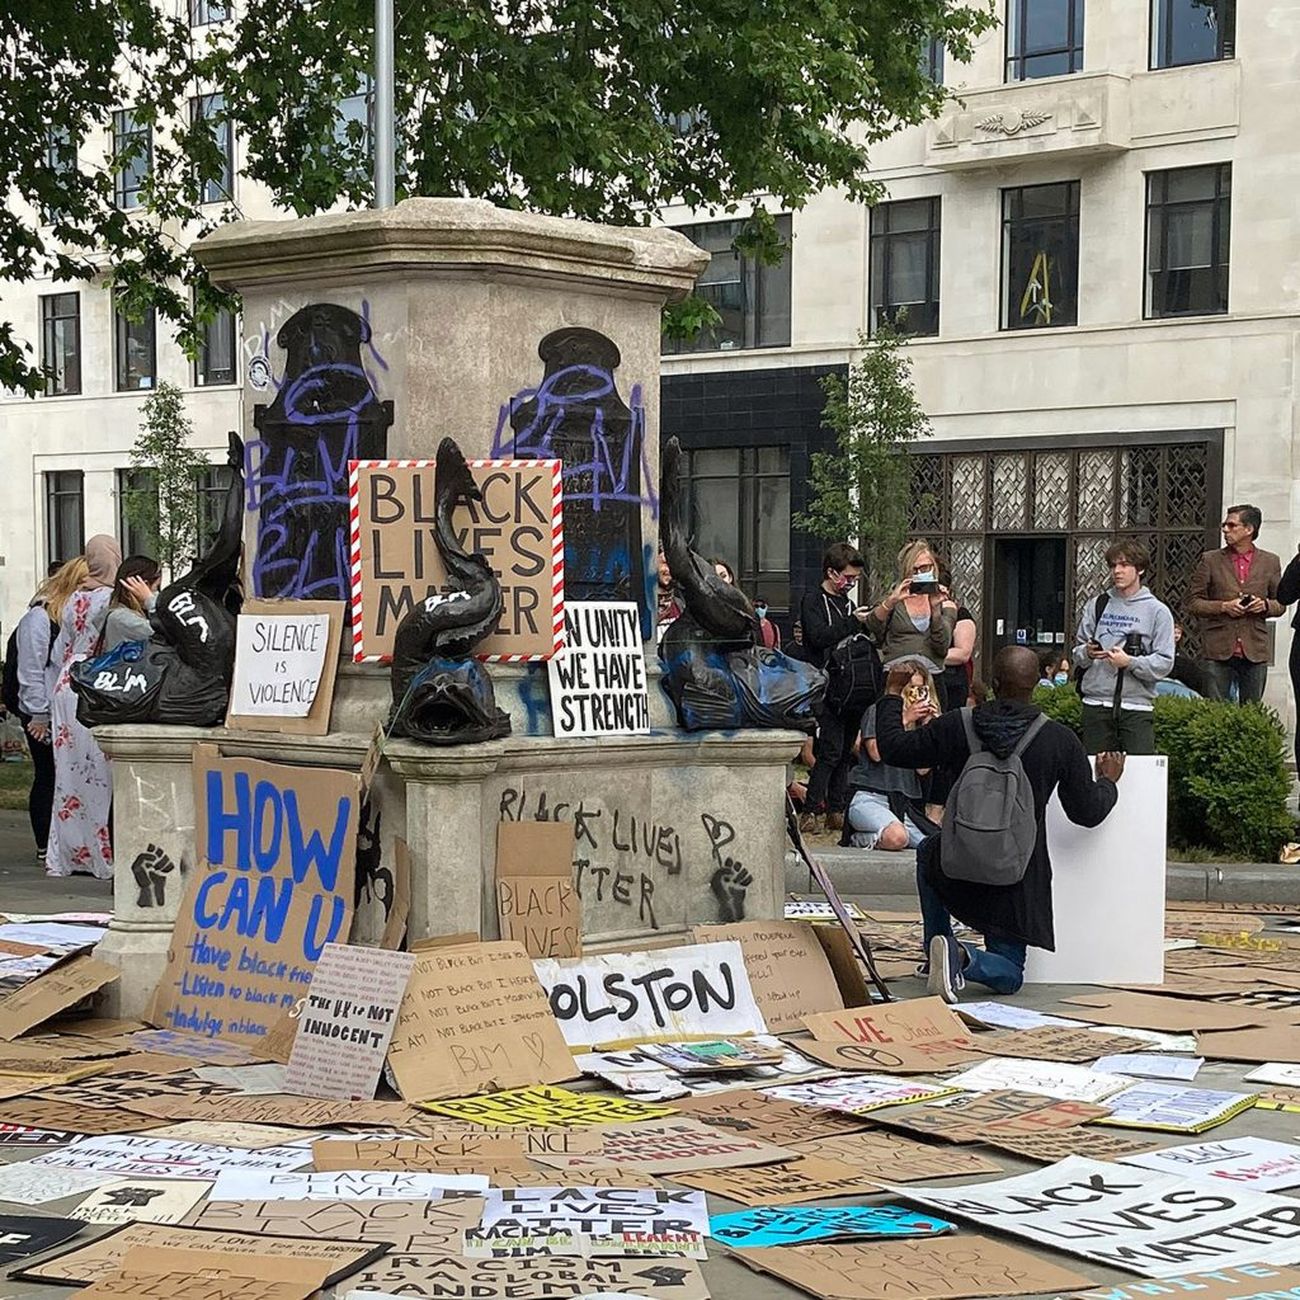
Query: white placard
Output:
(598,681)
(1277,1073)
(27,1183)
(1152,1037)
(860,1093)
(1174,1107)
(279,659)
(1152,1065)
(1129,1218)
(1108,887)
(1241,1162)
(599,1210)
(141,1200)
(1045,1078)
(126,1155)
(349,1185)
(700,990)
(1006,1015)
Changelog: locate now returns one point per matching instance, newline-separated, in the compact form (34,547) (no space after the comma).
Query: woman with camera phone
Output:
(1125,644)
(916,619)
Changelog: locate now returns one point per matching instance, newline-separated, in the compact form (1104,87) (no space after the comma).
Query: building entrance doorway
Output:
(1029,592)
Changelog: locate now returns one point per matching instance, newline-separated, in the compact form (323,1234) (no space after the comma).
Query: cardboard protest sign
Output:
(767,1119)
(1280,1073)
(696,991)
(1128,1218)
(27,1183)
(861,1095)
(910,1037)
(1150,1011)
(293,1112)
(927,1268)
(475,1019)
(105,1255)
(1174,1108)
(452,1278)
(191,1047)
(1277,1043)
(152,1272)
(278,848)
(543,1106)
(396,564)
(808,1178)
(1074,1044)
(286,658)
(488,1148)
(980,1117)
(1006,1015)
(597,680)
(1047,1078)
(252,1137)
(668,1146)
(347,1022)
(141,1200)
(23,1135)
(1250,1282)
(56,990)
(22,1235)
(1243,1162)
(134,1155)
(894,1158)
(351,1185)
(1052,1145)
(1151,1065)
(787,967)
(41,1113)
(798,1227)
(537,903)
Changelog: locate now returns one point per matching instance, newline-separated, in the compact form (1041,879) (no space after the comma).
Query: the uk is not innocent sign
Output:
(598,681)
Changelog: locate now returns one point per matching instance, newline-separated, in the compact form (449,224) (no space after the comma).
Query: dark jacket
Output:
(1288,590)
(1054,760)
(826,620)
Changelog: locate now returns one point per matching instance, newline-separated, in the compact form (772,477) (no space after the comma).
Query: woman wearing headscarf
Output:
(83,784)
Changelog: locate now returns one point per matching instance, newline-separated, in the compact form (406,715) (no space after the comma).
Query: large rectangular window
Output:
(210,110)
(211,487)
(215,363)
(905,266)
(753,299)
(132,157)
(134,348)
(1192,31)
(65,516)
(61,343)
(60,154)
(932,59)
(137,511)
(739,511)
(1189,221)
(1040,256)
(1044,38)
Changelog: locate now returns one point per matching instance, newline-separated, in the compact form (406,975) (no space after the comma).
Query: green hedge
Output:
(1228,784)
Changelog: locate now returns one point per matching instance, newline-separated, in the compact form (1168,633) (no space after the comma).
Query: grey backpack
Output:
(989,823)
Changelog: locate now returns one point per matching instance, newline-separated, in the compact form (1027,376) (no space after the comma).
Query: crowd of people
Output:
(85,607)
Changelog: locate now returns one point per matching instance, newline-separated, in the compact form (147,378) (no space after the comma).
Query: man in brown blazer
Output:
(1234,593)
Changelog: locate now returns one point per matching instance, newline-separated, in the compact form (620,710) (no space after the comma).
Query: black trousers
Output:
(40,798)
(828,784)
(1294,664)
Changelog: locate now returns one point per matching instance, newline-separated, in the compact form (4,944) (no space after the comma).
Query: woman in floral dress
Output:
(83,784)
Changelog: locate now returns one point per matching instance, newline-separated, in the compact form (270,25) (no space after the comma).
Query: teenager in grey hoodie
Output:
(1125,652)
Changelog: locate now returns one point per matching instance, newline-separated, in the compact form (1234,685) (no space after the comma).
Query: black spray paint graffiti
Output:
(576,413)
(374,880)
(730,881)
(324,415)
(150,871)
(135,1197)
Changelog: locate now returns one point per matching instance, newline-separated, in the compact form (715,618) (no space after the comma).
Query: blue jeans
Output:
(1000,964)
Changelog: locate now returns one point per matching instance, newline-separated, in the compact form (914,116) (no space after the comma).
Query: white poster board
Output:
(598,681)
(1108,887)
(279,659)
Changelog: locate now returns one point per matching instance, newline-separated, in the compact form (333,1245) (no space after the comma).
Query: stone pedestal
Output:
(376,334)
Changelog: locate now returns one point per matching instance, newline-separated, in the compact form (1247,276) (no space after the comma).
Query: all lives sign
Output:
(396,562)
(277,853)
(598,683)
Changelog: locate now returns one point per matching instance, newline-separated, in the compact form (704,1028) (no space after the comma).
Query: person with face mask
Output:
(828,614)
(916,619)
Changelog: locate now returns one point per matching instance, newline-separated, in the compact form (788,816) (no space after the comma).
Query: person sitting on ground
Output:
(886,803)
(135,594)
(1016,916)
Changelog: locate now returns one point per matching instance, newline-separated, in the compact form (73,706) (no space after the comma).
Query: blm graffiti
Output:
(324,415)
(577,414)
(629,864)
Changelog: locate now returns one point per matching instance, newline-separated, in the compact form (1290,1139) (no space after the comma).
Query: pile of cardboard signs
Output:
(478,1120)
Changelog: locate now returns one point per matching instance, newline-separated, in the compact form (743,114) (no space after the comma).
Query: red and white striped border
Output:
(359,655)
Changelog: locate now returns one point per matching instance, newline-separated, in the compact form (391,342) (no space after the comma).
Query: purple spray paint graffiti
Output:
(325,414)
(576,413)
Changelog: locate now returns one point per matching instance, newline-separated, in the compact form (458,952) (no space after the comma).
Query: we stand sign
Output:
(598,681)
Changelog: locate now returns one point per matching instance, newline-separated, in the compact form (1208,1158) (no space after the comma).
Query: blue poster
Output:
(774,1225)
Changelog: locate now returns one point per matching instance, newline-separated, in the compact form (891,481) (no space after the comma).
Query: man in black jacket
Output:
(1011,917)
(828,615)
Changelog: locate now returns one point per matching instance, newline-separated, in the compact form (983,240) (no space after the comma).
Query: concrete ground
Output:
(24,887)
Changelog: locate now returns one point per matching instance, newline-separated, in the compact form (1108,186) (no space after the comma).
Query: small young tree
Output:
(860,490)
(166,511)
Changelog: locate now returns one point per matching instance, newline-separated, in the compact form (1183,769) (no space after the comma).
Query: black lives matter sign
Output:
(598,682)
(396,563)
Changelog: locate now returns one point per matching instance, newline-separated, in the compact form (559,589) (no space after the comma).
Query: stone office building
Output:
(1095,249)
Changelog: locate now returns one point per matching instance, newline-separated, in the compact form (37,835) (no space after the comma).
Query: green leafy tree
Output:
(167,510)
(860,489)
(563,106)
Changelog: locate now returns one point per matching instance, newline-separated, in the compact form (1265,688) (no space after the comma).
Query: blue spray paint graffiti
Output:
(576,413)
(325,413)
